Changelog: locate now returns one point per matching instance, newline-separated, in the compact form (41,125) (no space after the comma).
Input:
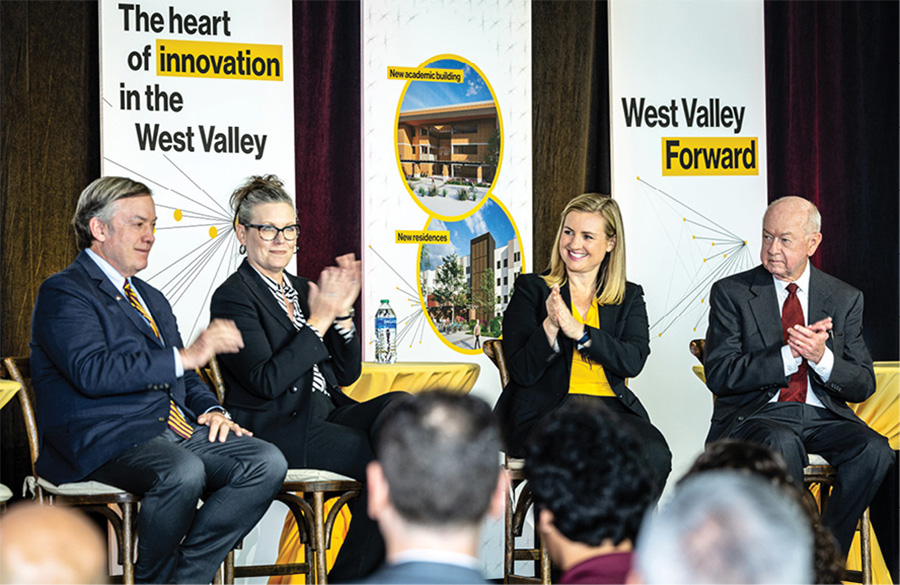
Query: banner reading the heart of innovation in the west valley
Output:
(196,96)
(446,172)
(689,172)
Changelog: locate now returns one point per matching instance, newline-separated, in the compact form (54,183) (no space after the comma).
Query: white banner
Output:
(689,172)
(446,172)
(196,96)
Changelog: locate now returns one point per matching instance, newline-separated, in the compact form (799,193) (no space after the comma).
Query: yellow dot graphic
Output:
(724,255)
(213,232)
(178,215)
(713,244)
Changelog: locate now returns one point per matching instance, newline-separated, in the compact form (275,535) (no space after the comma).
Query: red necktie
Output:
(177,422)
(792,314)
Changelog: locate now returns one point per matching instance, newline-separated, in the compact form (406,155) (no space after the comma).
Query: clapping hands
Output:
(335,293)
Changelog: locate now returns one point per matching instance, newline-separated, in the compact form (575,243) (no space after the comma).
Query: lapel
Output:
(763,304)
(821,304)
(260,291)
(566,345)
(122,302)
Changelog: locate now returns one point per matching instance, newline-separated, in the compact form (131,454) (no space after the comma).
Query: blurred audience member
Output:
(591,489)
(50,544)
(435,477)
(726,527)
(744,456)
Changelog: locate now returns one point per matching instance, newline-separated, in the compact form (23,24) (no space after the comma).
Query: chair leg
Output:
(128,543)
(509,538)
(319,536)
(228,578)
(545,563)
(865,543)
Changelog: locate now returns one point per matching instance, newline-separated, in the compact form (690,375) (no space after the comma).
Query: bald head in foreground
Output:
(50,544)
(726,527)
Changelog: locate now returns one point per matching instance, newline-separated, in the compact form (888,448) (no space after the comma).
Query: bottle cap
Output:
(385,300)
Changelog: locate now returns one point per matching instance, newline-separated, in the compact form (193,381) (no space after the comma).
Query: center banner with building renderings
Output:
(194,98)
(688,151)
(446,173)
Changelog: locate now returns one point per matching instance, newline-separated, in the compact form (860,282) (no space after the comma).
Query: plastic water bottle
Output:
(385,334)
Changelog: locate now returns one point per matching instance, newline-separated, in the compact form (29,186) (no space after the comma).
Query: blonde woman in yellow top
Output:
(578,332)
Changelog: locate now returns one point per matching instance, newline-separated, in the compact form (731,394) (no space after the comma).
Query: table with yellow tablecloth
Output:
(8,389)
(375,380)
(882,413)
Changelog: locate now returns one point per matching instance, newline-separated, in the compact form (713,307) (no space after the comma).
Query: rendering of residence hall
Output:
(449,141)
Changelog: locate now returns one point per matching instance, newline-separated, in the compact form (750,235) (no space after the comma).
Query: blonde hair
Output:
(611,276)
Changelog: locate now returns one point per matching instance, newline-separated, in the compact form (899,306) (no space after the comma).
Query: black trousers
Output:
(342,440)
(654,450)
(861,456)
(177,542)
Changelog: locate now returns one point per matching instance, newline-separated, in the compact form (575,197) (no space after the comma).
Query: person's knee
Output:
(186,476)
(271,464)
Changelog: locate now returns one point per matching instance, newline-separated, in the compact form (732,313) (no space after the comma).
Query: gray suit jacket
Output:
(425,572)
(743,363)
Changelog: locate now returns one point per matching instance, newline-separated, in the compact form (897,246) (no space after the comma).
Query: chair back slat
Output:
(493,348)
(19,369)
(698,350)
(212,375)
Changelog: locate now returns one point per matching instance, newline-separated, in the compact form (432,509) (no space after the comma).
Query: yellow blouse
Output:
(587,377)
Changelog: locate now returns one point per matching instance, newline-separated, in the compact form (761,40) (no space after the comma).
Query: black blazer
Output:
(539,377)
(743,362)
(269,382)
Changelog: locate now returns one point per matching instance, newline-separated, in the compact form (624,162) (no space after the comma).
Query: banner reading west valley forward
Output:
(689,172)
(196,96)
(446,172)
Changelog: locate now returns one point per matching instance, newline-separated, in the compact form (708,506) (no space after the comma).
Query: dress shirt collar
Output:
(114,276)
(802,283)
(428,555)
(270,282)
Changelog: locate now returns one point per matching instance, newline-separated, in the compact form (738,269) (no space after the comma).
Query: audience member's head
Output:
(726,527)
(742,456)
(50,544)
(588,481)
(760,460)
(436,469)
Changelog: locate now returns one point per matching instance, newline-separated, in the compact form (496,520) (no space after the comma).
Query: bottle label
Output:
(385,322)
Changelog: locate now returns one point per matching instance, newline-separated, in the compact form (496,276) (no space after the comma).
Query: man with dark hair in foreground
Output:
(435,478)
(591,489)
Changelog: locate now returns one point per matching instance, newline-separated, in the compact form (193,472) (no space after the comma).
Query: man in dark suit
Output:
(784,355)
(435,478)
(118,400)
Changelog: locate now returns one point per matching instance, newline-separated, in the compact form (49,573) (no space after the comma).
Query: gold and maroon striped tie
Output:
(177,422)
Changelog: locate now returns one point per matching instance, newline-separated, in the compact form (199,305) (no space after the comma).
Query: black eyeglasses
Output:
(270,232)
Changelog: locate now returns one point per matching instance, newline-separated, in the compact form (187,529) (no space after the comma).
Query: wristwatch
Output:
(222,411)
(349,315)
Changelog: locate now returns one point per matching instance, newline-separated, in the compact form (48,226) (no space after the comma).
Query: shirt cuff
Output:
(791,363)
(825,365)
(179,365)
(346,334)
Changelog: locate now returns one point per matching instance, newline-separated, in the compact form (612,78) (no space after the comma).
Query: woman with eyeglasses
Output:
(300,347)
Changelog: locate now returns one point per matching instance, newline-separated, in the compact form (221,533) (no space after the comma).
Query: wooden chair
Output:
(517,507)
(90,496)
(304,492)
(820,472)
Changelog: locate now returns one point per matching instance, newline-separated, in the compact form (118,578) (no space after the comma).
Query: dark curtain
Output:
(327,98)
(570,116)
(49,151)
(832,117)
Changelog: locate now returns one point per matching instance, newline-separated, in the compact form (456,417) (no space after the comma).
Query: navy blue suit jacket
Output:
(424,572)
(102,379)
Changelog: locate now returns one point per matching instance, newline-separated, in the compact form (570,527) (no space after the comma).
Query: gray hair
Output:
(727,527)
(97,200)
(813,220)
(257,190)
